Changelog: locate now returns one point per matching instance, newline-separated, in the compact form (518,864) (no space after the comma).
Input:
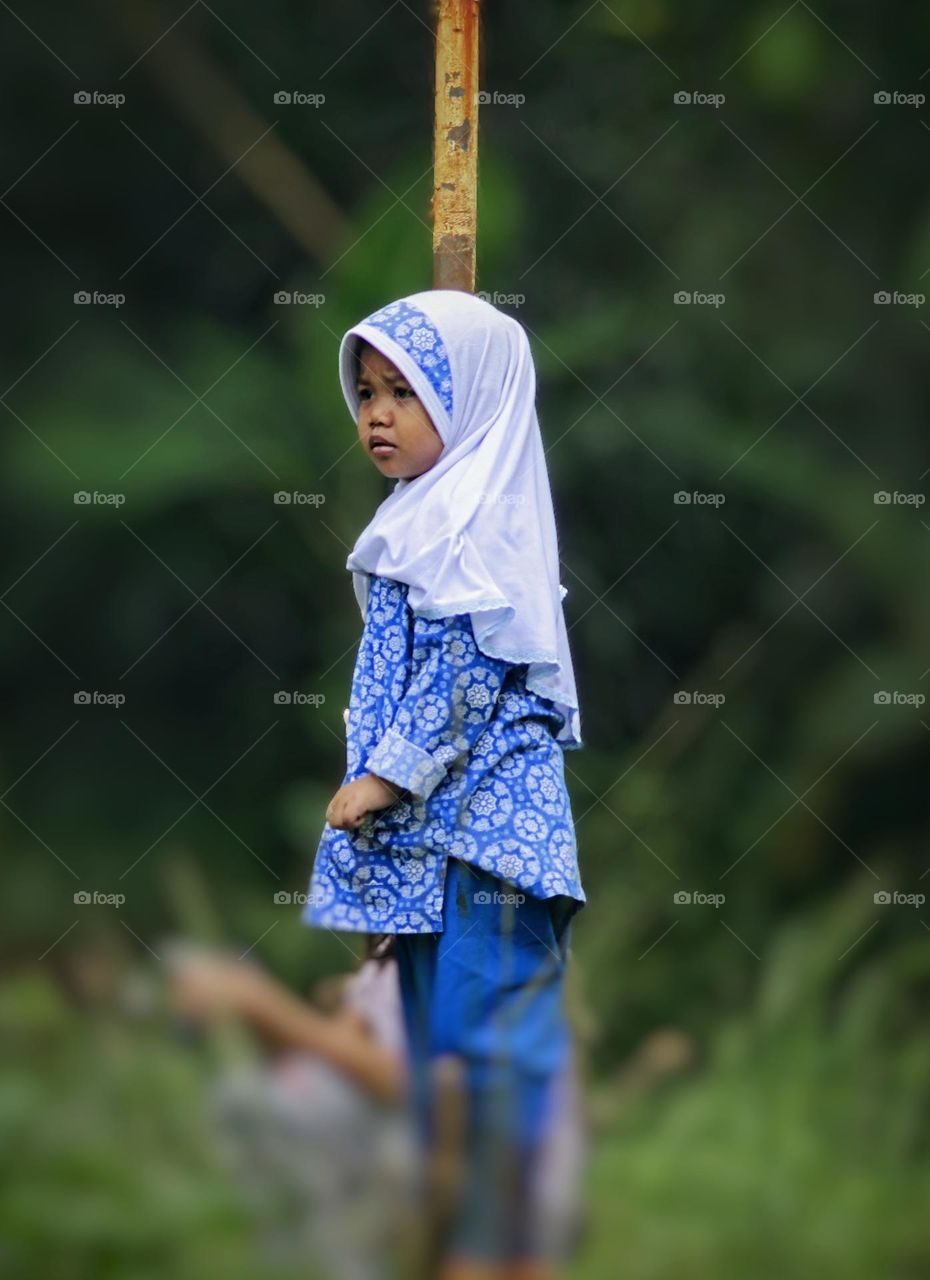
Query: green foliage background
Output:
(796,1141)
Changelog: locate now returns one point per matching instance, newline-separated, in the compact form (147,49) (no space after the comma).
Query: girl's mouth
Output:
(382,450)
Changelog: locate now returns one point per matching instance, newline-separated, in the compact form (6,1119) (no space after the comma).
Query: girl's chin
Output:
(396,470)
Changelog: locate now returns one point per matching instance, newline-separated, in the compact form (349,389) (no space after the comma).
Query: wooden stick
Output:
(455,145)
(446,1170)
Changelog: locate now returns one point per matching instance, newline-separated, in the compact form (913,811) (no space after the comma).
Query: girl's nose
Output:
(381,410)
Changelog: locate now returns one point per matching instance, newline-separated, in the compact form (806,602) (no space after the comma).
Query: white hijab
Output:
(476,532)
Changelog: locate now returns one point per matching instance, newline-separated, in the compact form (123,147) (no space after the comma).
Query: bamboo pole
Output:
(455,145)
(455,218)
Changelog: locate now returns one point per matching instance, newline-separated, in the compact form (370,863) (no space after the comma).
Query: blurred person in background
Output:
(321,1133)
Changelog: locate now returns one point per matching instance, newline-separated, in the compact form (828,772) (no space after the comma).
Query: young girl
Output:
(452,829)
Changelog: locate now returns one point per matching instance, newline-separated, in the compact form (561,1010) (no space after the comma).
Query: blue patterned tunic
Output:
(476,750)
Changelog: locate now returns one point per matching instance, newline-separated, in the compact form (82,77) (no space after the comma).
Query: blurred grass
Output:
(800,1147)
(107,1164)
(795,1146)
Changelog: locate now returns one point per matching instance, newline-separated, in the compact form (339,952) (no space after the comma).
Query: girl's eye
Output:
(403,393)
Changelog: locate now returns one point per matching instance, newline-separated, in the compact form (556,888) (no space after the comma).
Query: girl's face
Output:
(390,411)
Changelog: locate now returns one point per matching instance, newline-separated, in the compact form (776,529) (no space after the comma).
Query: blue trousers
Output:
(489,989)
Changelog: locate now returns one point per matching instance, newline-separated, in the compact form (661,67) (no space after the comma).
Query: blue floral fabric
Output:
(413,330)
(476,754)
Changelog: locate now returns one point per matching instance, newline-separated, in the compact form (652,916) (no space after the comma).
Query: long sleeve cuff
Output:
(402,762)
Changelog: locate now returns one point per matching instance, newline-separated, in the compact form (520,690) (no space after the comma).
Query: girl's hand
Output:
(351,803)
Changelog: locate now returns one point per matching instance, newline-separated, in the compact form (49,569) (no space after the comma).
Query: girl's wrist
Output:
(397,792)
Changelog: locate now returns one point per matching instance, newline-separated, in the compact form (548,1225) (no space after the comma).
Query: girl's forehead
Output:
(375,360)
(416,334)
